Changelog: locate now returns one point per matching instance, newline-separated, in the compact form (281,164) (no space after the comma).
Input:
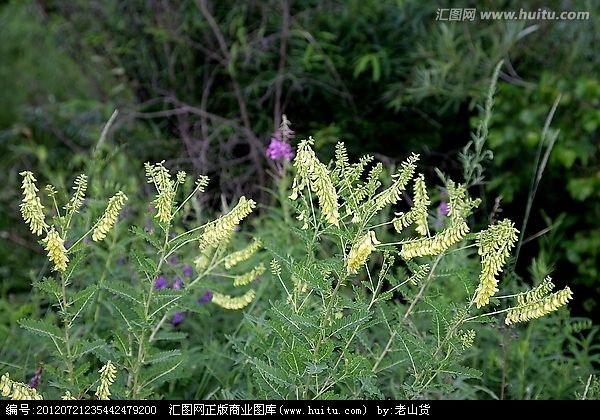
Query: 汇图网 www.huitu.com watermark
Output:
(464,14)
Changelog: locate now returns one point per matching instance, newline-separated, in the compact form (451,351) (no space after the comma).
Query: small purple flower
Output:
(443,208)
(173,259)
(178,318)
(206,297)
(279,150)
(35,379)
(160,283)
(178,284)
(187,270)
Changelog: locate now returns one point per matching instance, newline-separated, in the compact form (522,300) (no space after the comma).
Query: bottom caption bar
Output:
(220,408)
(342,409)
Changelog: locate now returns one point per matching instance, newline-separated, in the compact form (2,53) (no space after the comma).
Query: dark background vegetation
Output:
(203,84)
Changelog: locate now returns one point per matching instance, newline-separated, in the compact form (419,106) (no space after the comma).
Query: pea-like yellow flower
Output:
(313,174)
(437,244)
(243,255)
(539,308)
(158,175)
(108,373)
(250,276)
(233,303)
(109,218)
(55,246)
(219,230)
(31,206)
(494,248)
(17,390)
(360,251)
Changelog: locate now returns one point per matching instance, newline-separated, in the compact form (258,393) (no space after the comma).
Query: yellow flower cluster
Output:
(55,246)
(275,267)
(250,276)
(31,206)
(17,390)
(418,213)
(437,243)
(243,255)
(313,174)
(68,397)
(392,194)
(467,338)
(158,175)
(419,274)
(109,218)
(421,203)
(537,293)
(494,248)
(459,203)
(219,230)
(108,373)
(538,308)
(233,303)
(80,187)
(360,251)
(403,220)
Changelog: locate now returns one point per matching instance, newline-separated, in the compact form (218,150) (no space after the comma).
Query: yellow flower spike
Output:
(17,390)
(181,175)
(392,194)
(275,267)
(109,218)
(494,246)
(250,276)
(437,244)
(80,187)
(403,220)
(158,175)
(108,373)
(233,303)
(313,174)
(537,308)
(360,251)
(467,338)
(421,203)
(31,206)
(5,385)
(219,230)
(55,246)
(243,255)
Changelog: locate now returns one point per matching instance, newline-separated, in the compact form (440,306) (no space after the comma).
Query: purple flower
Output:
(178,284)
(443,208)
(206,297)
(178,318)
(187,270)
(35,379)
(160,283)
(173,259)
(279,150)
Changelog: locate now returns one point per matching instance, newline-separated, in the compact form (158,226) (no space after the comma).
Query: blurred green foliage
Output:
(572,174)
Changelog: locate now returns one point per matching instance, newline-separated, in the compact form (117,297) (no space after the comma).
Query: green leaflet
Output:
(123,290)
(43,328)
(80,300)
(162,371)
(349,323)
(84,347)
